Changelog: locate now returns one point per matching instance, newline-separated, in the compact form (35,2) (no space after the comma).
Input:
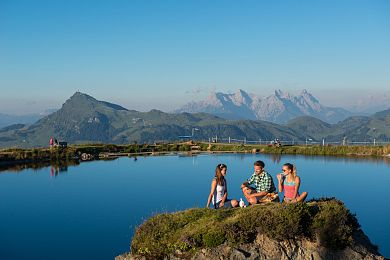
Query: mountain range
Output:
(279,107)
(372,103)
(6,119)
(83,119)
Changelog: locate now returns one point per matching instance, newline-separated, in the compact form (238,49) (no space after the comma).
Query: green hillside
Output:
(354,129)
(83,119)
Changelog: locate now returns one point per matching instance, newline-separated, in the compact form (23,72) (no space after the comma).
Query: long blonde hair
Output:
(292,168)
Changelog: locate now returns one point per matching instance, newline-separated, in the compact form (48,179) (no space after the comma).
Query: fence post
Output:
(229,139)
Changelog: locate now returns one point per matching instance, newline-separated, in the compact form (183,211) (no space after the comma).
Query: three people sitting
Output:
(262,187)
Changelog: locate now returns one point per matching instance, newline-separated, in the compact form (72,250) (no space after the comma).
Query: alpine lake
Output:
(91,210)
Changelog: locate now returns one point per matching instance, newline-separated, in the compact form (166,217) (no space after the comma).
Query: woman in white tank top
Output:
(219,192)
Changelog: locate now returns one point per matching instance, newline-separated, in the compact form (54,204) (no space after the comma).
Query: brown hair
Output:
(218,174)
(259,163)
(292,168)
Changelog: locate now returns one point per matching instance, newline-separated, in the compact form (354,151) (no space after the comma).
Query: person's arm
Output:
(297,184)
(280,182)
(224,196)
(213,187)
(248,182)
(261,193)
(268,185)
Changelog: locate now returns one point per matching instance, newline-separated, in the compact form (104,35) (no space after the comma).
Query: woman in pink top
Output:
(289,182)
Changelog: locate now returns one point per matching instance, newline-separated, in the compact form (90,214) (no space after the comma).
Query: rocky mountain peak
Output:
(242,98)
(83,101)
(279,107)
(308,96)
(282,94)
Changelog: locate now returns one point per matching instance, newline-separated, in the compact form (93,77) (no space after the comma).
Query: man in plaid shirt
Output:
(262,181)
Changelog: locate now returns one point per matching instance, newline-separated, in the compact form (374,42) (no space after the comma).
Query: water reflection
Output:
(56,167)
(276,158)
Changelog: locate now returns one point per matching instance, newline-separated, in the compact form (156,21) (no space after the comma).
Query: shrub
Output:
(334,225)
(213,238)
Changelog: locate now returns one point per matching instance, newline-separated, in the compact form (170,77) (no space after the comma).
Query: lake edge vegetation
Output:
(106,151)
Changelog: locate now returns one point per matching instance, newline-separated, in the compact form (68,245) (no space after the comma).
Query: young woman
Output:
(289,182)
(219,192)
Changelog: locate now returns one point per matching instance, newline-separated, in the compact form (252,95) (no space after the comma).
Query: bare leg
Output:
(234,203)
(247,191)
(302,197)
(252,200)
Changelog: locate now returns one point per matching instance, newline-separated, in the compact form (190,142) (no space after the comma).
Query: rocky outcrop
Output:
(266,248)
(317,230)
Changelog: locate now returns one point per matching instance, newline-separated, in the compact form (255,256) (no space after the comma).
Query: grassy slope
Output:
(45,154)
(304,150)
(355,128)
(329,221)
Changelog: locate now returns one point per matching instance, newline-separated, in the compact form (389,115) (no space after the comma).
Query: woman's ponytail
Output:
(292,168)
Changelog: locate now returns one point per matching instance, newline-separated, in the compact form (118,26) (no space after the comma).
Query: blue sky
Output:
(161,54)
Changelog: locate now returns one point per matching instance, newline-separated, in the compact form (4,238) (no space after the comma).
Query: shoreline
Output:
(79,153)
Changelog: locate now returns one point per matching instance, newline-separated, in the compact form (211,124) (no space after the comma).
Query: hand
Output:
(221,204)
(280,177)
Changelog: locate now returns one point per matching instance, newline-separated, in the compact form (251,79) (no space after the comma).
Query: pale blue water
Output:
(90,211)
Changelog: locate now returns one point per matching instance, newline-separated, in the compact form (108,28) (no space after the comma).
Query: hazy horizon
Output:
(164,54)
(28,107)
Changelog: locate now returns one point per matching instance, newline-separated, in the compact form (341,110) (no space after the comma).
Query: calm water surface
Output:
(90,211)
